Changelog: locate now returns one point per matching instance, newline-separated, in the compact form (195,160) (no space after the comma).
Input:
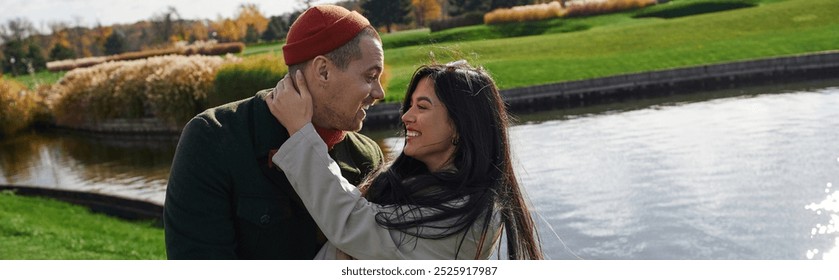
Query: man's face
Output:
(347,94)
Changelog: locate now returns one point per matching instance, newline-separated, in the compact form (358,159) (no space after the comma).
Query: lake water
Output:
(738,174)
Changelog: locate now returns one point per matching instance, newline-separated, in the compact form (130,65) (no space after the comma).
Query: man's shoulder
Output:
(362,141)
(365,146)
(220,125)
(226,113)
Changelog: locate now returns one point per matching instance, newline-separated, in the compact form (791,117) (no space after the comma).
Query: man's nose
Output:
(378,92)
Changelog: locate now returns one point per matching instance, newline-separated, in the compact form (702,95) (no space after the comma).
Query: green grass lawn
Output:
(619,44)
(559,50)
(39,78)
(39,228)
(275,48)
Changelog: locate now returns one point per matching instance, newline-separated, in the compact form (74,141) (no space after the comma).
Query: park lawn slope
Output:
(636,45)
(45,229)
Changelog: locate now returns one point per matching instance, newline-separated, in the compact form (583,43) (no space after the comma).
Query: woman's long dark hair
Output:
(482,184)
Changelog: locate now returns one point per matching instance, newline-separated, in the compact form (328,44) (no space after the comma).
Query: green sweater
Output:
(225,201)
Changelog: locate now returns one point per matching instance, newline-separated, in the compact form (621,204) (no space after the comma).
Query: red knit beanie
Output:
(319,30)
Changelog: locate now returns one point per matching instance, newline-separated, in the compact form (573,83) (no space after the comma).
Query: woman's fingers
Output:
(292,109)
(305,96)
(301,83)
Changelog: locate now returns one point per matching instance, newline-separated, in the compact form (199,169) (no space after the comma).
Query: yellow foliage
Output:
(249,14)
(17,106)
(226,30)
(197,31)
(426,11)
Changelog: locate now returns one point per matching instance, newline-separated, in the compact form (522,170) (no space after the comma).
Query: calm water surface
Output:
(739,174)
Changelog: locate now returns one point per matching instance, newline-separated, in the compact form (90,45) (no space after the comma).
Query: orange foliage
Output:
(426,11)
(249,14)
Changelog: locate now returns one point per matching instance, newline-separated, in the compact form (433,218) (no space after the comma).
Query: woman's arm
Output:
(347,219)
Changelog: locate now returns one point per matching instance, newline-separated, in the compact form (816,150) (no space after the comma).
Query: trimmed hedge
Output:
(472,18)
(606,7)
(689,8)
(198,49)
(235,81)
(535,12)
(481,32)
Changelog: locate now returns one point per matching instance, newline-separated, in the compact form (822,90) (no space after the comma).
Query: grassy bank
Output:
(559,50)
(38,228)
(32,81)
(618,44)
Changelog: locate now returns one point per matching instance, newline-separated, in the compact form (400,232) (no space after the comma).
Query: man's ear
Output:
(321,65)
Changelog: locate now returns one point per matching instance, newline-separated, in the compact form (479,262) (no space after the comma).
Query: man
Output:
(224,199)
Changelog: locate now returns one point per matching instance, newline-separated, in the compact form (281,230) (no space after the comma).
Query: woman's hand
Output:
(291,108)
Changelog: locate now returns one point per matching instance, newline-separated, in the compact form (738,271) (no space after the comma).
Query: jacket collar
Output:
(268,133)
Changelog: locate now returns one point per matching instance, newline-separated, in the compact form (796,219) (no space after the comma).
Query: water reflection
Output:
(131,166)
(717,176)
(827,209)
(19,155)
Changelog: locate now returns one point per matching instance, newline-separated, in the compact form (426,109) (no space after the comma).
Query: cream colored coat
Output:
(348,220)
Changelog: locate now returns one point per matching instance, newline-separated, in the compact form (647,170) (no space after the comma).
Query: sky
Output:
(108,12)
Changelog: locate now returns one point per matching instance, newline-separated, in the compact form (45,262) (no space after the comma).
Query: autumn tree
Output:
(386,12)
(61,47)
(167,26)
(198,31)
(250,22)
(226,30)
(277,29)
(35,56)
(115,44)
(98,36)
(61,52)
(460,7)
(21,54)
(425,11)
(498,4)
(306,3)
(352,5)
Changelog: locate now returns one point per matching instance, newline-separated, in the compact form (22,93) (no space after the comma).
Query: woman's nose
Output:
(407,117)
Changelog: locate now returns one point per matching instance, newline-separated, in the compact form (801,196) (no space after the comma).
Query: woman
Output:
(447,196)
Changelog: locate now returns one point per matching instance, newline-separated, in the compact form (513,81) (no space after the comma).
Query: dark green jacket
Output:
(224,201)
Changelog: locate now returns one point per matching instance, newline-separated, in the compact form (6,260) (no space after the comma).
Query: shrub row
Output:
(195,49)
(172,88)
(605,7)
(19,107)
(688,8)
(525,13)
(236,81)
(472,18)
(551,10)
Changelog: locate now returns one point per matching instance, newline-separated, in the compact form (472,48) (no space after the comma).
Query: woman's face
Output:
(429,131)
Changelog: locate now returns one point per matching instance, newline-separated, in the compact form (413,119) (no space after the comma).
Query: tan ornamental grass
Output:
(171,88)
